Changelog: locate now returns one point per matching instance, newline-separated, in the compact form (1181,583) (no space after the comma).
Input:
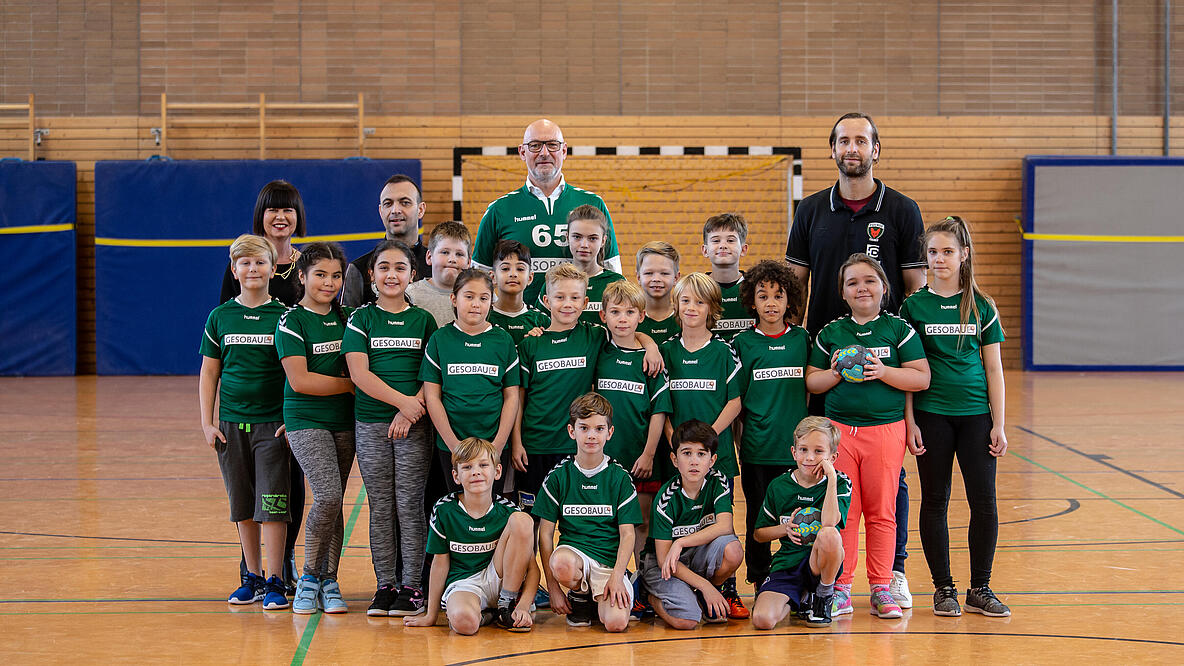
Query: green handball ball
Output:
(850,361)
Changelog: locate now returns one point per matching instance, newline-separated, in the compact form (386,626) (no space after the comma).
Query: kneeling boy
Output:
(592,499)
(483,549)
(692,547)
(802,576)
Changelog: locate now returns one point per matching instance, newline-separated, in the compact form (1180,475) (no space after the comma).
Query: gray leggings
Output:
(326,458)
(395,472)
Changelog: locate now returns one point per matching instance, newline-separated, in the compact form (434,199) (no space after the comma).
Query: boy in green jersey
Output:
(482,548)
(640,403)
(725,241)
(511,277)
(592,501)
(587,228)
(558,365)
(773,387)
(240,366)
(692,549)
(449,250)
(803,574)
(657,271)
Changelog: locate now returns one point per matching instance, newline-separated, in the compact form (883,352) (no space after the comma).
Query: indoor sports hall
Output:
(136,138)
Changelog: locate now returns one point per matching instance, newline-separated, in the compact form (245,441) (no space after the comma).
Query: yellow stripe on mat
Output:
(223,242)
(36,229)
(1083,238)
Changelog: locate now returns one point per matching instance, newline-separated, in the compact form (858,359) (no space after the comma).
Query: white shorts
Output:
(487,585)
(596,575)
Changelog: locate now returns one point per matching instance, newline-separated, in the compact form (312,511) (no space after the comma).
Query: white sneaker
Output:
(899,589)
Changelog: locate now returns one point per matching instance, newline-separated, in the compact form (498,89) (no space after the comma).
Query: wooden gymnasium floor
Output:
(116,547)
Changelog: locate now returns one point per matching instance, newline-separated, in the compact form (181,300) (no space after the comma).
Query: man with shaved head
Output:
(536,213)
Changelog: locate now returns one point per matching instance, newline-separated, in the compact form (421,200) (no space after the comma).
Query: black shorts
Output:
(529,482)
(794,583)
(254,465)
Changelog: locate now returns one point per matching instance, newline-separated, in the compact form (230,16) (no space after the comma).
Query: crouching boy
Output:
(692,547)
(592,500)
(483,549)
(802,576)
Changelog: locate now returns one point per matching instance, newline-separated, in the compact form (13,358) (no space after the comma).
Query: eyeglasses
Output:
(537,146)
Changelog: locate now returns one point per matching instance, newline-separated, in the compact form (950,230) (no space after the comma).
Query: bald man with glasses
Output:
(536,213)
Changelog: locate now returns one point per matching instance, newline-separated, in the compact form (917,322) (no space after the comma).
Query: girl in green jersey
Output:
(960,415)
(318,415)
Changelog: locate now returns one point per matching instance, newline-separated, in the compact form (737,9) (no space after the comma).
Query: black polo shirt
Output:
(826,231)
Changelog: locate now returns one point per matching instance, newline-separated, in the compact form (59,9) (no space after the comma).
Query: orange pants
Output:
(871,456)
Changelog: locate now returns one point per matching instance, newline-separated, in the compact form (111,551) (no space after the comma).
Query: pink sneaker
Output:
(842,601)
(883,605)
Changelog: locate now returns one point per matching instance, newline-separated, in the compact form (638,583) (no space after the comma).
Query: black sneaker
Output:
(803,611)
(818,614)
(409,602)
(945,602)
(583,609)
(983,600)
(505,619)
(384,598)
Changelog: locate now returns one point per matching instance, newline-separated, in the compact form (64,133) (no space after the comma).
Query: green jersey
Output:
(595,292)
(675,515)
(251,386)
(660,331)
(469,541)
(783,497)
(735,317)
(635,397)
(773,384)
(394,342)
(589,506)
(958,381)
(518,324)
(893,341)
(557,368)
(472,371)
(701,384)
(316,337)
(540,225)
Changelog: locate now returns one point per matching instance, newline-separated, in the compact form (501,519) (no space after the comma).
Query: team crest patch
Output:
(875,230)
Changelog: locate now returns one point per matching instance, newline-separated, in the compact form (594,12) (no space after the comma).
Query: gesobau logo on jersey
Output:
(621,385)
(561,363)
(588,510)
(247,339)
(395,343)
(472,369)
(468,548)
(327,347)
(951,329)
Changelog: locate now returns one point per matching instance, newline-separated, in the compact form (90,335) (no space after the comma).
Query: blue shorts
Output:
(796,583)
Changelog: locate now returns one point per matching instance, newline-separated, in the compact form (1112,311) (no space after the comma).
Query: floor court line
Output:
(1104,462)
(311,628)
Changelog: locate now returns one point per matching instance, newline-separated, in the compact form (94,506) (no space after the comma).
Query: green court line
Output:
(315,621)
(1100,494)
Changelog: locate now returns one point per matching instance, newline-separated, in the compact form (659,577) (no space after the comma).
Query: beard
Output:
(854,171)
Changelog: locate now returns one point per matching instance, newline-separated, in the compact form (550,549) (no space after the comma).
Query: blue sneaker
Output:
(542,599)
(331,599)
(308,589)
(251,591)
(274,598)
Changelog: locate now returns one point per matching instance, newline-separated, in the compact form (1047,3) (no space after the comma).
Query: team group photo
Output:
(843,362)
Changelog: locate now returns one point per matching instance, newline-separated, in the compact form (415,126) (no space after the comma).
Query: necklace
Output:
(291,264)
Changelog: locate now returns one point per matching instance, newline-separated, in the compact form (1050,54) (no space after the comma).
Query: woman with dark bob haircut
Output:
(279,216)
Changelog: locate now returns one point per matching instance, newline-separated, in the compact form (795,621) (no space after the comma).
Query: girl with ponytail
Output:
(319,417)
(960,415)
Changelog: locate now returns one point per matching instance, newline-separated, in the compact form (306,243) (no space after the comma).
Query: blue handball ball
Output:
(850,361)
(806,523)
